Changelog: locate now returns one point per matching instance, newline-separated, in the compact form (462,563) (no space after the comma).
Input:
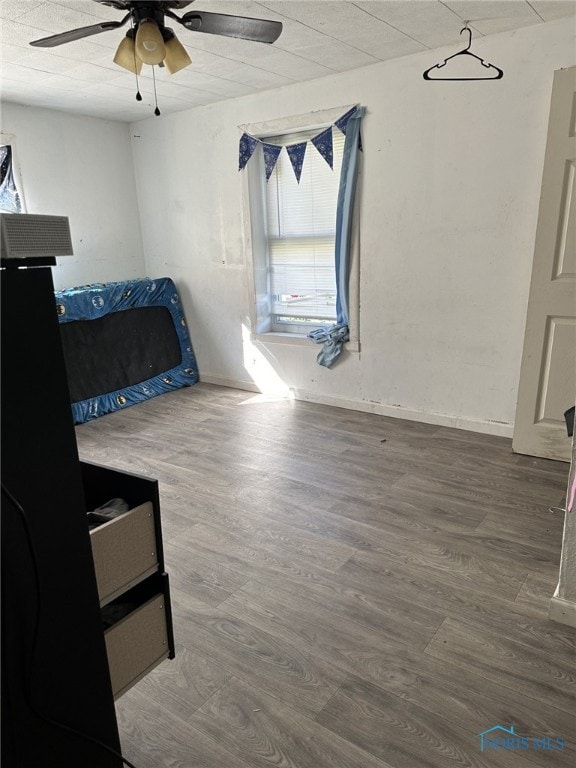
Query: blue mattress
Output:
(123,343)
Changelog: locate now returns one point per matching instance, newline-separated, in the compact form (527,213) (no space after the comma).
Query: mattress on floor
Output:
(123,343)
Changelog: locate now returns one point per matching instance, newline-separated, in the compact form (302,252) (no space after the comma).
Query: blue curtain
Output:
(333,337)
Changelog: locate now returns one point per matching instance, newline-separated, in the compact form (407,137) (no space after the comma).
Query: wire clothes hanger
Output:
(465,52)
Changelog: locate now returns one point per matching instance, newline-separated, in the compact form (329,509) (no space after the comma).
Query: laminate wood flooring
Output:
(349,590)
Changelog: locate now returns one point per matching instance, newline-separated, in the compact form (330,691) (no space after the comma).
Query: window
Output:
(297,223)
(10,196)
(301,224)
(303,239)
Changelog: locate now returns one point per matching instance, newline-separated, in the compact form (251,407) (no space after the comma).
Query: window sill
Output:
(296,339)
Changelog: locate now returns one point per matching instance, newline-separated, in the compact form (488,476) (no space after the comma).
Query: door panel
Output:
(565,253)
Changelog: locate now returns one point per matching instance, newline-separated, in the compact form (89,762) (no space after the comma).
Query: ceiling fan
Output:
(150,41)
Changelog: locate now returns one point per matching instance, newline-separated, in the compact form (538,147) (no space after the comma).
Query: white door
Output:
(548,373)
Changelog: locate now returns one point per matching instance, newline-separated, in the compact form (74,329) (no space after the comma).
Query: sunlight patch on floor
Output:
(262,373)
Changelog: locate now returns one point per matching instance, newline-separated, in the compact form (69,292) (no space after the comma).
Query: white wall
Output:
(82,168)
(449,208)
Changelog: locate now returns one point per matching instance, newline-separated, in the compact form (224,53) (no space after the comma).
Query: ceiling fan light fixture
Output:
(126,57)
(150,46)
(176,56)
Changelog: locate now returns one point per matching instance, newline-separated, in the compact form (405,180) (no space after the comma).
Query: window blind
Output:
(301,223)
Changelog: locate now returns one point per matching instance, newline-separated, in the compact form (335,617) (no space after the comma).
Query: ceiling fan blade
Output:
(121,5)
(257,30)
(78,34)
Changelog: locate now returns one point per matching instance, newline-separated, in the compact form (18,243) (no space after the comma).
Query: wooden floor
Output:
(349,590)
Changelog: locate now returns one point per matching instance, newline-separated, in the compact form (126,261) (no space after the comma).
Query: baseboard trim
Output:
(562,611)
(397,412)
(366,406)
(222,381)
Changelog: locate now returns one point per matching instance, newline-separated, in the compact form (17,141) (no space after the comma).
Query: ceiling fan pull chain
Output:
(156,111)
(138,94)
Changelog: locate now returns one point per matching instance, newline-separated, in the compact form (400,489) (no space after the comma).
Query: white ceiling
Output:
(319,37)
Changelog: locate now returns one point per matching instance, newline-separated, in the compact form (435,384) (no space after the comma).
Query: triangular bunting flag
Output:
(271,153)
(342,122)
(323,143)
(247,146)
(296,154)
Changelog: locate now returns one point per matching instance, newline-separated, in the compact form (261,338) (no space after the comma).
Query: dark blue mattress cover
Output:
(93,302)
